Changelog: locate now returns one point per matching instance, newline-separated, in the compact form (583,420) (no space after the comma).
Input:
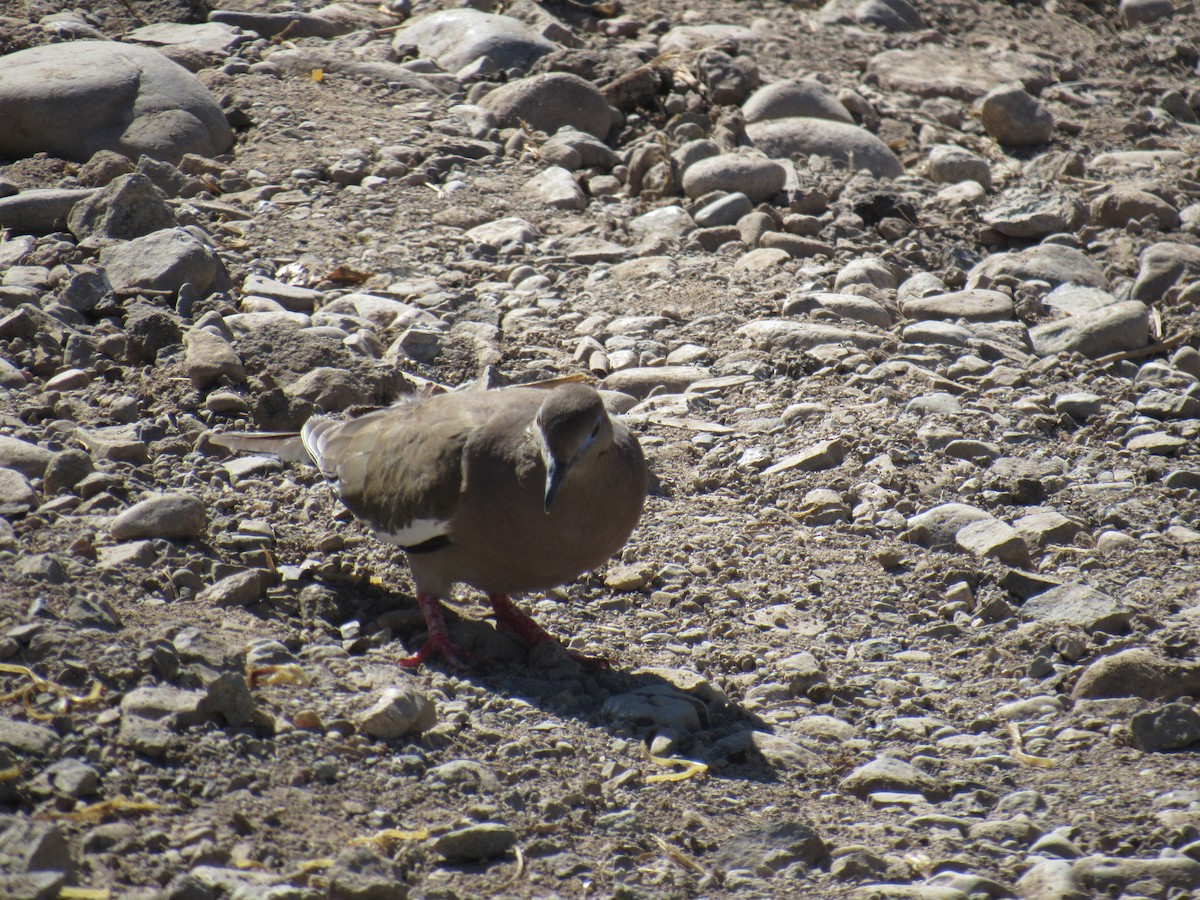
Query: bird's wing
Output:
(399,469)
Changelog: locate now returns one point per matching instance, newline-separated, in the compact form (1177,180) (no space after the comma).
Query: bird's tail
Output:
(287,445)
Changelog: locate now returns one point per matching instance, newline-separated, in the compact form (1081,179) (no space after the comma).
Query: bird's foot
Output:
(439,642)
(442,646)
(521,625)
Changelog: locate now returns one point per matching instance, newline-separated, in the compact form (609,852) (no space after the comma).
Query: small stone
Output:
(475,842)
(886,773)
(398,711)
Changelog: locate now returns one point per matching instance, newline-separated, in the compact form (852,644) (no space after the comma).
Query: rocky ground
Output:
(913,608)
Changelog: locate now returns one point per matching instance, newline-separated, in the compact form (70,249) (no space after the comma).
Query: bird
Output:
(509,491)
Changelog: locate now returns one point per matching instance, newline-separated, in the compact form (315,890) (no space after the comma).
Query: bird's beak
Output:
(555,473)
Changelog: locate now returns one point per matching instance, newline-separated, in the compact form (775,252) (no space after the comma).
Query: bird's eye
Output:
(596,431)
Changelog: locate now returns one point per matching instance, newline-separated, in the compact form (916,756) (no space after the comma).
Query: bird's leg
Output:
(438,643)
(522,626)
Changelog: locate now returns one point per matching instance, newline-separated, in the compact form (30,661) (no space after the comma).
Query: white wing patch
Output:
(415,532)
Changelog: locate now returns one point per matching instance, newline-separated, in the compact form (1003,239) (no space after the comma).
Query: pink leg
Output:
(438,643)
(513,619)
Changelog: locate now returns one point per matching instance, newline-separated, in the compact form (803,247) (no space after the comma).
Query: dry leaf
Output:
(347,275)
(691,768)
(95,812)
(285,674)
(317,75)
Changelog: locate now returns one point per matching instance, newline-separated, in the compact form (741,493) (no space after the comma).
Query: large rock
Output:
(456,38)
(1053,263)
(789,99)
(548,102)
(1111,329)
(1161,267)
(931,71)
(164,261)
(746,173)
(73,99)
(847,145)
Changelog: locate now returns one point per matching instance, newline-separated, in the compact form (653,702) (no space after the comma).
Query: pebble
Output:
(396,712)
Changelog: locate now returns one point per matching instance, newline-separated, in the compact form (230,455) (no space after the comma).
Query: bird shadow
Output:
(691,716)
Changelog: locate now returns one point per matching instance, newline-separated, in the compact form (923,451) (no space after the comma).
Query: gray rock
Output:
(330,389)
(475,842)
(847,145)
(1079,604)
(164,261)
(1144,12)
(359,873)
(725,211)
(213,39)
(890,15)
(772,847)
(40,211)
(785,334)
(1161,267)
(507,231)
(941,524)
(640,381)
(23,456)
(548,102)
(886,773)
(129,207)
(942,71)
(296,24)
(668,222)
(728,78)
(557,188)
(788,99)
(591,151)
(1120,205)
(950,164)
(16,493)
(149,329)
(66,469)
(291,297)
(747,173)
(71,100)
(210,358)
(848,306)
(1171,727)
(238,589)
(30,847)
(993,538)
(976,305)
(396,712)
(1053,263)
(1073,299)
(25,739)
(1101,875)
(1015,118)
(1121,326)
(1166,405)
(455,39)
(1029,215)
(817,458)
(689,38)
(169,515)
(1138,673)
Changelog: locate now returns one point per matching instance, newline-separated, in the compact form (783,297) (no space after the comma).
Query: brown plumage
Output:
(508,491)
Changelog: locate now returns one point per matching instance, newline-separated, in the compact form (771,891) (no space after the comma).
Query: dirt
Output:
(746,575)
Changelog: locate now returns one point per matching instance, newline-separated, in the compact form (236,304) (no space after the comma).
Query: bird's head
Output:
(571,424)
